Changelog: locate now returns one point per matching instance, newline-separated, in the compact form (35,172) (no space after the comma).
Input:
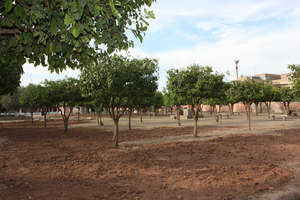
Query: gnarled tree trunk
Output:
(116,133)
(65,116)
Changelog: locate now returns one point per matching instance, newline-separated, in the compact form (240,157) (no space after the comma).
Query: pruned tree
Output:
(287,95)
(113,79)
(142,89)
(65,95)
(30,99)
(245,91)
(259,97)
(268,95)
(232,95)
(176,95)
(157,101)
(198,83)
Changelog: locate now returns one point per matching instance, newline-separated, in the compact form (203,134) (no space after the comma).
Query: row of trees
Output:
(199,85)
(116,83)
(62,95)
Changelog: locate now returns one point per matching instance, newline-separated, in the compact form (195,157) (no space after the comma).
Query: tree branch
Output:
(9,31)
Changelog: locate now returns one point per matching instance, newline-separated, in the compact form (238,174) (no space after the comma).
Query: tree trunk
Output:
(268,104)
(32,118)
(129,120)
(45,120)
(101,119)
(66,125)
(211,111)
(195,132)
(99,115)
(256,108)
(249,116)
(260,107)
(141,117)
(178,115)
(247,111)
(116,133)
(232,106)
(78,114)
(288,108)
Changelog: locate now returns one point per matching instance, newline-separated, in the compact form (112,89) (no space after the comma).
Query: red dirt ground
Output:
(37,163)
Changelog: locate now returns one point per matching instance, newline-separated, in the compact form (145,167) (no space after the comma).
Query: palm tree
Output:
(236,68)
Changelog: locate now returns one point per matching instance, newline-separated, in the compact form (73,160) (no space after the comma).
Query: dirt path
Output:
(203,137)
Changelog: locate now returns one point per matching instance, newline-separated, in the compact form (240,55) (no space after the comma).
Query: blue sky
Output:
(263,35)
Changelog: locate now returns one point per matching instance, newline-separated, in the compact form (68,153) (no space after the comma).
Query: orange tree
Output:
(118,84)
(65,95)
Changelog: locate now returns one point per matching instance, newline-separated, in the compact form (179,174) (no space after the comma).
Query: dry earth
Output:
(38,163)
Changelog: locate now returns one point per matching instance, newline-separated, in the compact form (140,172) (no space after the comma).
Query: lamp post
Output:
(236,68)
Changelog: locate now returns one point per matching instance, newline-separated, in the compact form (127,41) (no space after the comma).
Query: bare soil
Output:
(38,123)
(37,163)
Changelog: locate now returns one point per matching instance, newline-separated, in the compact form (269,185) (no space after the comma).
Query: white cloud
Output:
(269,53)
(261,48)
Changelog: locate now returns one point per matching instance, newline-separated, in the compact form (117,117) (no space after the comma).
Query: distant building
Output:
(277,80)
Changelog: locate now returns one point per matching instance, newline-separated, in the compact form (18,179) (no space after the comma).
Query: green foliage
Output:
(157,100)
(219,97)
(232,96)
(295,69)
(61,33)
(175,94)
(10,102)
(36,97)
(120,83)
(268,93)
(64,93)
(245,91)
(10,74)
(193,85)
(286,94)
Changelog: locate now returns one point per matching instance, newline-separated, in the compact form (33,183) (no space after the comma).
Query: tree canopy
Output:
(66,33)
(65,95)
(193,85)
(119,83)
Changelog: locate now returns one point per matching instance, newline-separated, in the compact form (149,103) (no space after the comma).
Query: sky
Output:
(263,34)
